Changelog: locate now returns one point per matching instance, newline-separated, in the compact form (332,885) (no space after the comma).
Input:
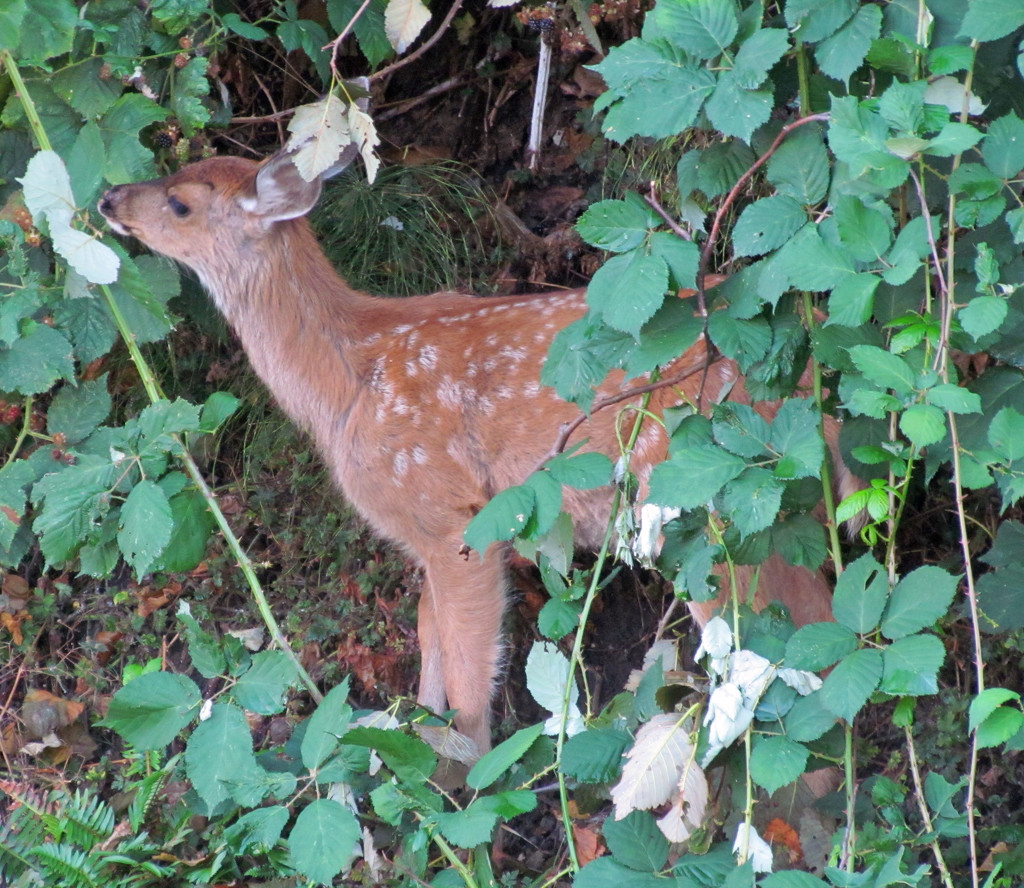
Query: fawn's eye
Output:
(181,210)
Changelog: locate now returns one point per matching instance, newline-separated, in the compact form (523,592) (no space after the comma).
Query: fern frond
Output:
(146,792)
(86,820)
(65,866)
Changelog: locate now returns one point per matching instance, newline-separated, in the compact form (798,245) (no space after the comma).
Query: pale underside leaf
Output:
(403,22)
(655,765)
(690,808)
(364,135)
(319,133)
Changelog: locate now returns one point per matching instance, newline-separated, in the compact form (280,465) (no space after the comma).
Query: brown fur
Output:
(423,408)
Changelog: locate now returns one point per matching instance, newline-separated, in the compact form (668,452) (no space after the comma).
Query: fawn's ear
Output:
(281,192)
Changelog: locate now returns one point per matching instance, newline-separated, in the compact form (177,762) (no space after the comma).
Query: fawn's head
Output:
(212,214)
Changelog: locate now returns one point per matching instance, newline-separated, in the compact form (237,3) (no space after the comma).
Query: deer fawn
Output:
(423,408)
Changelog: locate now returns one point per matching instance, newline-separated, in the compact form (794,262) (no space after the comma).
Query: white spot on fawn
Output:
(428,357)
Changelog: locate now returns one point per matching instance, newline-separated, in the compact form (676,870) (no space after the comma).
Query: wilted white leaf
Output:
(654,765)
(47,188)
(547,674)
(448,742)
(716,643)
(319,132)
(690,808)
(94,261)
(663,651)
(647,542)
(403,22)
(364,135)
(48,195)
(752,673)
(727,718)
(206,710)
(750,846)
(800,680)
(949,91)
(501,4)
(252,639)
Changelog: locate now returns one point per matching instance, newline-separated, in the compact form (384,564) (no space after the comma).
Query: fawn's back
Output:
(424,408)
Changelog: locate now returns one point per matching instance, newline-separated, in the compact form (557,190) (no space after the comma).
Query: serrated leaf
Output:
(808,719)
(404,20)
(911,666)
(864,231)
(77,412)
(983,315)
(145,526)
(474,824)
(796,437)
(918,601)
(661,754)
(364,134)
(843,53)
(954,398)
(660,107)
(493,764)
(319,133)
(800,167)
(1003,148)
(501,519)
(628,289)
(991,19)
(1006,433)
(264,686)
(584,471)
(745,341)
(757,54)
(408,757)
(705,28)
(886,370)
(923,424)
(736,111)
(635,841)
(767,224)
(819,645)
(862,591)
(151,710)
(776,762)
(693,476)
(987,702)
(752,500)
(219,754)
(595,755)
(324,840)
(854,679)
(615,225)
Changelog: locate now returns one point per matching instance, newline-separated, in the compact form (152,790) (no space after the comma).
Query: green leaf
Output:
(843,53)
(547,502)
(983,315)
(953,138)
(746,342)
(911,666)
(954,398)
(257,831)
(792,879)
(151,710)
(14,478)
(127,159)
(36,361)
(595,755)
(852,301)
(682,258)
(263,687)
(474,824)
(585,471)
(991,19)
(501,519)
(918,601)
(558,618)
(800,540)
(1003,148)
(660,107)
(581,357)
(324,840)
(606,872)
(205,650)
(85,164)
(693,476)
(862,591)
(752,500)
(864,231)
(884,369)
(740,429)
(818,645)
(193,524)
(615,225)
(800,167)
(76,412)
(52,28)
(736,111)
(628,289)
(1003,724)
(923,424)
(635,841)
(757,55)
(808,719)
(327,724)
(82,87)
(987,702)
(776,762)
(1006,433)
(219,754)
(814,20)
(234,23)
(11,16)
(146,525)
(767,224)
(705,28)
(408,757)
(796,437)
(492,765)
(73,500)
(854,679)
